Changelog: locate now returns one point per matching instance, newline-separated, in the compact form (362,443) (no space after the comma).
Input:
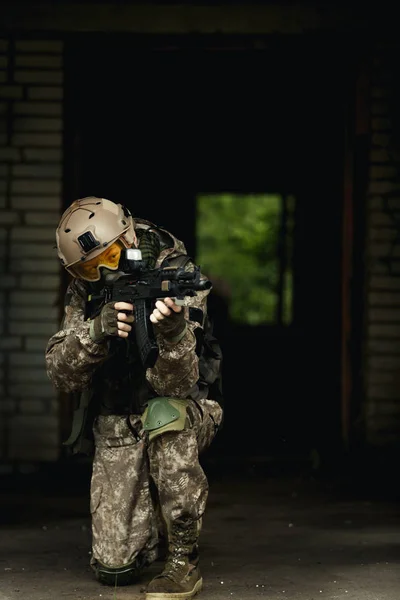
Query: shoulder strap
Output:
(176,261)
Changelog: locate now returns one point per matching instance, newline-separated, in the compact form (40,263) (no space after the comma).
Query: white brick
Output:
(40,313)
(379,315)
(383,250)
(32,437)
(394,204)
(37,139)
(3,186)
(26,359)
(381,377)
(379,267)
(53,171)
(380,139)
(383,187)
(384,298)
(44,77)
(380,124)
(10,154)
(3,108)
(4,170)
(45,93)
(383,347)
(33,328)
(385,404)
(46,282)
(38,124)
(380,218)
(6,469)
(8,281)
(3,61)
(382,234)
(10,343)
(34,374)
(8,406)
(41,453)
(36,203)
(38,108)
(383,331)
(42,218)
(42,234)
(22,250)
(11,92)
(9,218)
(380,92)
(383,172)
(380,108)
(3,76)
(49,46)
(38,61)
(33,390)
(36,186)
(36,343)
(30,298)
(3,45)
(3,233)
(42,154)
(33,407)
(3,201)
(386,363)
(384,283)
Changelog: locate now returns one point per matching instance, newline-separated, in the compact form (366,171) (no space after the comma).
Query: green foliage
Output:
(237,241)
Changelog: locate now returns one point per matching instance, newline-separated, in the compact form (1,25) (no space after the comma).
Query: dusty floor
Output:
(264,536)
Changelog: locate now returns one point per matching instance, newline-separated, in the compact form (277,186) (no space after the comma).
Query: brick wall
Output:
(382,409)
(31,92)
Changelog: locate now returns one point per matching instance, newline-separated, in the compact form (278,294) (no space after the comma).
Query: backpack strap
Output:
(176,261)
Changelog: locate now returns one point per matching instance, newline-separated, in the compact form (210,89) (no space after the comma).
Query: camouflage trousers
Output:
(125,513)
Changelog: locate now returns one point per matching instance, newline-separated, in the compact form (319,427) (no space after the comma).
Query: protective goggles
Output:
(90,269)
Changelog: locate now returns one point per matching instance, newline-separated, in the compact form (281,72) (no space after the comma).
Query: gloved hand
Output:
(110,322)
(169,319)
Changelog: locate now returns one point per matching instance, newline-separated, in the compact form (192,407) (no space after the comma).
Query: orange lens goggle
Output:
(90,270)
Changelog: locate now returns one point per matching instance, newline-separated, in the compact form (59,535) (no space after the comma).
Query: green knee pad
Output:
(164,414)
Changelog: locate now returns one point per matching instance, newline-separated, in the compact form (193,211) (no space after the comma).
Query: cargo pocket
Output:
(122,512)
(212,417)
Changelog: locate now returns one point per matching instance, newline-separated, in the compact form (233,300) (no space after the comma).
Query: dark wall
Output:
(151,122)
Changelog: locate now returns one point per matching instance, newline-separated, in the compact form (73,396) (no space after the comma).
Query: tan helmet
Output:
(88,227)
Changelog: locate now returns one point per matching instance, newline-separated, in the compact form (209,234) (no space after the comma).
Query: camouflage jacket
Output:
(116,378)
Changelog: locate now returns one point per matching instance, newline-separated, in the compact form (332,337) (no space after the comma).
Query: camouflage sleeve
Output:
(177,368)
(71,355)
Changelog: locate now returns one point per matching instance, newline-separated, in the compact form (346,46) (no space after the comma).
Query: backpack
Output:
(208,348)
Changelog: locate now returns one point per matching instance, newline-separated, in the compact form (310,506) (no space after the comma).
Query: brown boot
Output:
(181,578)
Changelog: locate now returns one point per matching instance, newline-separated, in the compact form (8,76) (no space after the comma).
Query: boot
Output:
(180,579)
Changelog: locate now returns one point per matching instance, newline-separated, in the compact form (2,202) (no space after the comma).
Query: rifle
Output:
(135,283)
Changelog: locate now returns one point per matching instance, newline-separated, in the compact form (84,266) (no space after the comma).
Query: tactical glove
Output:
(105,324)
(172,327)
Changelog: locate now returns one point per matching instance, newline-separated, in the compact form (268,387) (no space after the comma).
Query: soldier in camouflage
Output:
(145,486)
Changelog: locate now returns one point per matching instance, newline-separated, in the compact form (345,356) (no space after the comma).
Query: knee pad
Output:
(164,414)
(119,576)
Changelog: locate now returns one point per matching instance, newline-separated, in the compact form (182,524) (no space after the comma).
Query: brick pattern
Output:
(31,93)
(382,407)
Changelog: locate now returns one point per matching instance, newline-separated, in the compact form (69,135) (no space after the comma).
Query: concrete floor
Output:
(264,536)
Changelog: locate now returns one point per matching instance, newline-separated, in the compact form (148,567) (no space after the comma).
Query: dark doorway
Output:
(153,122)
